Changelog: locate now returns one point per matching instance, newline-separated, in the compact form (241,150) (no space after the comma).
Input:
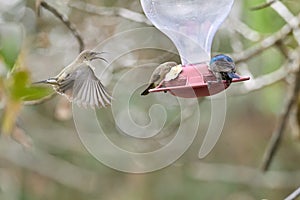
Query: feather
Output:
(84,88)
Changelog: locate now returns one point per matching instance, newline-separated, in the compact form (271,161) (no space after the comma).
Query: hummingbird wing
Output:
(223,66)
(173,73)
(83,87)
(161,71)
(159,75)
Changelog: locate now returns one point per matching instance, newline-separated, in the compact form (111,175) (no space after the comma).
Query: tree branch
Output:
(264,5)
(266,43)
(111,11)
(47,165)
(263,81)
(243,29)
(277,134)
(243,175)
(65,20)
(40,101)
(290,67)
(294,195)
(289,17)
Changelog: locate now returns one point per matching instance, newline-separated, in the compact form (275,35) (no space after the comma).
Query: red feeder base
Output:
(192,82)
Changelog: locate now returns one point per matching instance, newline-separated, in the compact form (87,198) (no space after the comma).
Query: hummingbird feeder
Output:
(191,25)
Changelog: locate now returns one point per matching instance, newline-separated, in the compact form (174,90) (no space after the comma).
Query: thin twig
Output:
(291,66)
(283,48)
(71,27)
(277,135)
(243,175)
(111,11)
(45,164)
(265,43)
(66,21)
(293,195)
(283,11)
(264,5)
(40,101)
(274,143)
(243,29)
(262,81)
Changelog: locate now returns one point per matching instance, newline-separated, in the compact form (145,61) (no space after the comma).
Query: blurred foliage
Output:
(15,84)
(20,88)
(17,89)
(264,21)
(9,50)
(298,113)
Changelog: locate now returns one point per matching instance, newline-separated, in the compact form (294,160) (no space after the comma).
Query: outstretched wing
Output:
(84,88)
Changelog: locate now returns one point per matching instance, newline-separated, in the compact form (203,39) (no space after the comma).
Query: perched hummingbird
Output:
(223,68)
(159,75)
(78,82)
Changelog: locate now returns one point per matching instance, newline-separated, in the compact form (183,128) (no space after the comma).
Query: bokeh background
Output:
(42,157)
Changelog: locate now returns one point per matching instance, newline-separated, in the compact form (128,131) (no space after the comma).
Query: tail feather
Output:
(145,92)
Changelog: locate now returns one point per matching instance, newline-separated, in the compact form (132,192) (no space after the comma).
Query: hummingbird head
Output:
(166,67)
(87,56)
(221,57)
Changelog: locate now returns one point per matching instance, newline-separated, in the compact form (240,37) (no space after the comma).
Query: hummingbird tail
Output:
(147,90)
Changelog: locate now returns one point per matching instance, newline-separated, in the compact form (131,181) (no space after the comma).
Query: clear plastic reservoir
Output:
(190,24)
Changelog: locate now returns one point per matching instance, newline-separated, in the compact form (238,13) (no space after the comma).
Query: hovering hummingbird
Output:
(159,75)
(78,82)
(223,68)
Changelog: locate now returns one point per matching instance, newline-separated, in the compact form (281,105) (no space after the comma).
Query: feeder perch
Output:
(193,82)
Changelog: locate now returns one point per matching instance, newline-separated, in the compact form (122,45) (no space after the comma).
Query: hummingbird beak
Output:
(96,55)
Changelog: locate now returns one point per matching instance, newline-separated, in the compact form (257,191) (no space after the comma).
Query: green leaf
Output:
(11,36)
(35,93)
(265,20)
(19,81)
(21,90)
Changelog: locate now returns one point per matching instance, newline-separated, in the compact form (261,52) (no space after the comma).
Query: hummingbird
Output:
(159,75)
(78,82)
(223,67)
